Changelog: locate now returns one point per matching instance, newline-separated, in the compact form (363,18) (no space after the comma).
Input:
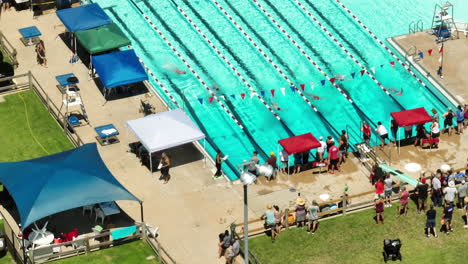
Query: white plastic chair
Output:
(79,244)
(88,208)
(99,214)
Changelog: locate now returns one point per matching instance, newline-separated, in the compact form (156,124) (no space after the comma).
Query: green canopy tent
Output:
(102,39)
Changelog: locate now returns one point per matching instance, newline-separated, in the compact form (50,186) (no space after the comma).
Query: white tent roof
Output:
(165,130)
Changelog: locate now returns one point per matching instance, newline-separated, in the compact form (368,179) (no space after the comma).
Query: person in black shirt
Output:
(431,222)
(421,191)
(448,211)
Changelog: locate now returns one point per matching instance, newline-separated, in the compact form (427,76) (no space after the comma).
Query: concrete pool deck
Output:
(455,63)
(193,208)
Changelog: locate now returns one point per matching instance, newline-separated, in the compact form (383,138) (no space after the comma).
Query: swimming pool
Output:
(261,129)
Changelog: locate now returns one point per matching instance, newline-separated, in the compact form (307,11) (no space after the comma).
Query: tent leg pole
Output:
(204,147)
(399,144)
(151,164)
(141,211)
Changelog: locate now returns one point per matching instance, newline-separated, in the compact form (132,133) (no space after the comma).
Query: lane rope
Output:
(157,80)
(364,70)
(332,81)
(265,56)
(231,66)
(202,82)
(380,42)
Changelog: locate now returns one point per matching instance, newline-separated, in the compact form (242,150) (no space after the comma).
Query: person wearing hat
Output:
(450,192)
(272,162)
(448,121)
(270,221)
(462,194)
(300,212)
(421,192)
(321,149)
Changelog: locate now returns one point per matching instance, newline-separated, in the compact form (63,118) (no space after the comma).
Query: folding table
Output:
(30,35)
(107,134)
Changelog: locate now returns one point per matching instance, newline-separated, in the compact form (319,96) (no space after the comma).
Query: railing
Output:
(9,50)
(32,84)
(76,247)
(344,209)
(252,258)
(162,254)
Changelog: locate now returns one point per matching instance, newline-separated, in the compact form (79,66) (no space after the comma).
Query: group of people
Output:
(228,247)
(434,130)
(442,190)
(305,216)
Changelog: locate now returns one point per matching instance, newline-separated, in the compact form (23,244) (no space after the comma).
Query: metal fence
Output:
(8,49)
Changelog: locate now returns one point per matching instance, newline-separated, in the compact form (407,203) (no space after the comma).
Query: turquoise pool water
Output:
(262,130)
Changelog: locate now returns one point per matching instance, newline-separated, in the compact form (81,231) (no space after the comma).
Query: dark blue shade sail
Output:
(59,182)
(83,17)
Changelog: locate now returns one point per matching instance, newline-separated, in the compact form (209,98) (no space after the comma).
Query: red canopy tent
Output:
(411,117)
(299,143)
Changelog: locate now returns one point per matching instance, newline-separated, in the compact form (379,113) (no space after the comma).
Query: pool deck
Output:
(193,208)
(455,63)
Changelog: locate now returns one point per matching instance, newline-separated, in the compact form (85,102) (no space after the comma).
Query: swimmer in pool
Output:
(393,90)
(179,72)
(276,107)
(315,97)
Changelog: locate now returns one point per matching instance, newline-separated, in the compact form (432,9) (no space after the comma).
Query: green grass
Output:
(134,252)
(18,141)
(356,239)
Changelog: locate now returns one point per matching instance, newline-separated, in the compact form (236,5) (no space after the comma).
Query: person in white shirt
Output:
(321,149)
(435,131)
(382,132)
(284,157)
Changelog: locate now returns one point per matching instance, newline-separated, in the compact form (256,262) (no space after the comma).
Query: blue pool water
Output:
(261,130)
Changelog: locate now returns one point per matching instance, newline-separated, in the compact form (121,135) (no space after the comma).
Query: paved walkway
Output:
(193,208)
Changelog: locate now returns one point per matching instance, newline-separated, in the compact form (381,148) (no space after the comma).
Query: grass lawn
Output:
(134,252)
(27,130)
(356,239)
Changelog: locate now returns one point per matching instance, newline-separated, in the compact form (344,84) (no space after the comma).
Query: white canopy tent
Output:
(165,130)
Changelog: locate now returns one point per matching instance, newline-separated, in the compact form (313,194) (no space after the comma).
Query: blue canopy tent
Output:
(51,184)
(82,18)
(118,68)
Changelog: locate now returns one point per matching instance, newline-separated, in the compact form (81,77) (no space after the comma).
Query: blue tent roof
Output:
(83,17)
(59,182)
(119,68)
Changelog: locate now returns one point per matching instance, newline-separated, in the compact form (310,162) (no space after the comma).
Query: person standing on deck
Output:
(254,160)
(383,134)
(321,149)
(366,131)
(219,161)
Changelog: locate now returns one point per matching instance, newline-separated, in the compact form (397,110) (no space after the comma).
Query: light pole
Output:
(246,178)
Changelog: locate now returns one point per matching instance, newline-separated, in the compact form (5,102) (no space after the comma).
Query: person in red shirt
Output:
(272,161)
(334,158)
(379,189)
(366,131)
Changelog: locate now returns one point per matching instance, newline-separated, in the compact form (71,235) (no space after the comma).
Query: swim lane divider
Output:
(275,66)
(346,51)
(155,28)
(264,54)
(380,42)
(331,80)
(157,80)
(386,48)
(239,75)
